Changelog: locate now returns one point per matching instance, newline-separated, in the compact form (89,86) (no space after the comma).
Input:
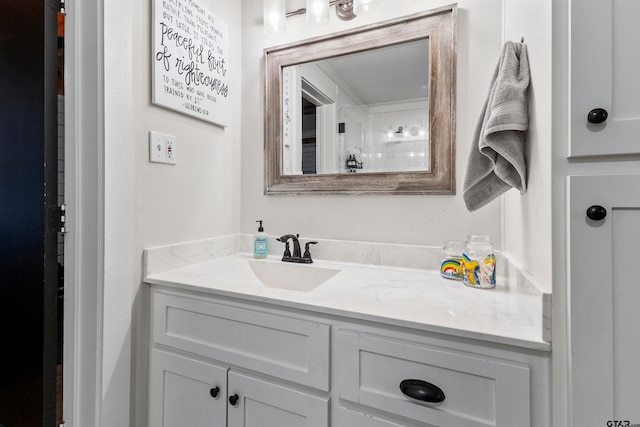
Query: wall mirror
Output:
(368,110)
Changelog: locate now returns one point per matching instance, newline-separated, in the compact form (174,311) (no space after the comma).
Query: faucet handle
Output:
(307,254)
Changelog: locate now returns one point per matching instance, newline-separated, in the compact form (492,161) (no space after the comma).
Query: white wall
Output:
(424,220)
(398,152)
(527,225)
(198,198)
(118,214)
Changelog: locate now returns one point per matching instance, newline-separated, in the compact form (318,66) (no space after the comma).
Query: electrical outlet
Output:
(162,148)
(169,149)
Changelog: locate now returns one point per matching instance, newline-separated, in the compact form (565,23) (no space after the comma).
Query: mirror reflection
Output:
(363,112)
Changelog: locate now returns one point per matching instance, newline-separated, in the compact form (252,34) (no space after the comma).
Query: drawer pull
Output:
(422,390)
(597,116)
(596,213)
(214,392)
(234,399)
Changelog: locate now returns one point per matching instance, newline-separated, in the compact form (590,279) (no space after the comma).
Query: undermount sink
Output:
(294,277)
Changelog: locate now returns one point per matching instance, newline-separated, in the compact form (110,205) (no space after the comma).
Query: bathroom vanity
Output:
(230,346)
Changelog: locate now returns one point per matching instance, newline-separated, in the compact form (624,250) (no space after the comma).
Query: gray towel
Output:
(496,160)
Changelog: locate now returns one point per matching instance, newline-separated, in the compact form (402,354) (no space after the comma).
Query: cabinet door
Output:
(263,404)
(604,299)
(605,65)
(182,392)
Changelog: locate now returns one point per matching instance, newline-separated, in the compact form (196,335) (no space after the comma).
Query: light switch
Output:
(162,148)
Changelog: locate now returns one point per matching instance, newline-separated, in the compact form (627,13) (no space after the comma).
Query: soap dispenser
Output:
(260,243)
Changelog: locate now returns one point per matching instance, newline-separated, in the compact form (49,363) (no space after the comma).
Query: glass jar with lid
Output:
(451,265)
(479,262)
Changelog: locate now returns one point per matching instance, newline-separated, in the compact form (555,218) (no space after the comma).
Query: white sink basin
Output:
(294,277)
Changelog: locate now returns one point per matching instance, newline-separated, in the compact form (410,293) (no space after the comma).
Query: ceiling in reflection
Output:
(388,74)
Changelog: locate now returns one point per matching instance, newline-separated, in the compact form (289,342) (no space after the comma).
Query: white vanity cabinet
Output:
(476,387)
(262,403)
(186,392)
(209,360)
(287,367)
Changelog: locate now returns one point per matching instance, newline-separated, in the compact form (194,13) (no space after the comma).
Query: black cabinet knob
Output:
(214,392)
(596,213)
(597,116)
(234,399)
(422,390)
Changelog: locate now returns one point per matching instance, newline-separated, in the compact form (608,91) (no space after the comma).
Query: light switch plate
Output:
(162,148)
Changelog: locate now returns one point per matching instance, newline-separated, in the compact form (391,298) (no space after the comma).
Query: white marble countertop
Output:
(406,297)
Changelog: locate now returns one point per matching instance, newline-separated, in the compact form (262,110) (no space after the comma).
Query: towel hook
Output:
(522,39)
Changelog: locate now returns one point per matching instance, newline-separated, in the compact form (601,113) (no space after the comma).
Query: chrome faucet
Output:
(297,254)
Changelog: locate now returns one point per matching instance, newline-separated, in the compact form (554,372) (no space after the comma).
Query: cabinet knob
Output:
(214,392)
(422,390)
(233,399)
(596,213)
(597,116)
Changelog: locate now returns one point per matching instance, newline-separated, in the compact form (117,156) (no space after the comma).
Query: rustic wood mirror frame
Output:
(439,25)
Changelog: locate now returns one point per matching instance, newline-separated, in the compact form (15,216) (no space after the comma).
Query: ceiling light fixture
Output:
(317,11)
(364,7)
(400,132)
(405,131)
(274,13)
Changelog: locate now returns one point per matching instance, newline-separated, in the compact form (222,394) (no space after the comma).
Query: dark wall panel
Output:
(22,210)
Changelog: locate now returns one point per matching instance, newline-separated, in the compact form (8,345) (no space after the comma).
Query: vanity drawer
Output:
(479,391)
(291,348)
